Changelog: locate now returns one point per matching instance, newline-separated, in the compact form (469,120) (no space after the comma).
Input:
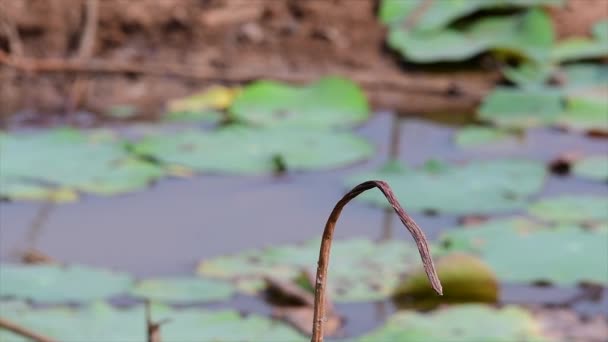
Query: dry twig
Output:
(21,331)
(87,40)
(321,278)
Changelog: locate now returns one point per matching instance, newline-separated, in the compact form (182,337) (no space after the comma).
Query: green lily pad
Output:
(68,159)
(464,278)
(571,209)
(529,74)
(465,323)
(359,269)
(528,36)
(523,251)
(577,48)
(439,14)
(585,75)
(101,322)
(23,191)
(471,136)
(54,283)
(582,114)
(242,150)
(592,167)
(476,187)
(328,102)
(521,108)
(175,290)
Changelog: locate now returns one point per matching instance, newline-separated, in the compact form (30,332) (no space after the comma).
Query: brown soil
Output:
(58,59)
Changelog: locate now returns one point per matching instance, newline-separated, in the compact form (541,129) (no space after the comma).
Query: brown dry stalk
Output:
(21,331)
(408,222)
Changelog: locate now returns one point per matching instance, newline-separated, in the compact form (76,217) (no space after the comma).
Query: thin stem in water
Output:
(408,222)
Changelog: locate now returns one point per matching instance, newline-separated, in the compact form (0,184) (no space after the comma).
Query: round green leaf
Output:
(593,167)
(463,323)
(238,149)
(175,290)
(360,270)
(439,14)
(522,251)
(585,113)
(101,322)
(65,158)
(571,209)
(521,108)
(480,136)
(327,103)
(54,283)
(529,35)
(476,187)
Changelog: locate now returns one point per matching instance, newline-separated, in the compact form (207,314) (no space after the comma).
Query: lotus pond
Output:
(213,214)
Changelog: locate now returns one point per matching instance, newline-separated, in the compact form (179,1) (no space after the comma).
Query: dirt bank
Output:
(101,53)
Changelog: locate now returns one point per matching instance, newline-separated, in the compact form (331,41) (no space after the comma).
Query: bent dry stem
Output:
(408,222)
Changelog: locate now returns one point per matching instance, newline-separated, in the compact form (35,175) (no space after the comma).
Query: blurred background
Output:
(186,154)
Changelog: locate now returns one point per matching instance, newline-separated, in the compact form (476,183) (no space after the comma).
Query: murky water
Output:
(168,228)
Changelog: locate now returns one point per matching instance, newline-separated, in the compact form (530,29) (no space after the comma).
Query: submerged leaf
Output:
(360,269)
(56,283)
(474,188)
(464,277)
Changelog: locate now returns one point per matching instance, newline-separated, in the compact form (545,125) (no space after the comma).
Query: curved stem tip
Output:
(408,222)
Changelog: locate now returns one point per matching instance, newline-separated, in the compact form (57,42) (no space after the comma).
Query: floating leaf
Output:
(571,209)
(23,191)
(521,108)
(476,187)
(529,74)
(465,323)
(464,278)
(360,270)
(438,14)
(479,135)
(585,75)
(592,167)
(101,322)
(529,36)
(68,159)
(577,48)
(522,251)
(238,149)
(55,283)
(327,103)
(175,290)
(600,30)
(585,114)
